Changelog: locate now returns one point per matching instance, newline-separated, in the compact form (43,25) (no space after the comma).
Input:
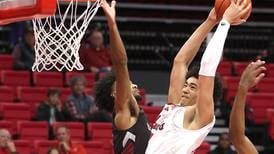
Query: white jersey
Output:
(169,136)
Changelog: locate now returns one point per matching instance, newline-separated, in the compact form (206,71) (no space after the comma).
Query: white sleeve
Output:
(214,50)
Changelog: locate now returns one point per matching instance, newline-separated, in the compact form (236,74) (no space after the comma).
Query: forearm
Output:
(192,46)
(237,116)
(118,52)
(213,53)
(237,124)
(119,60)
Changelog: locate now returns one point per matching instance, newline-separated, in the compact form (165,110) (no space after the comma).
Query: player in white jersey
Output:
(189,115)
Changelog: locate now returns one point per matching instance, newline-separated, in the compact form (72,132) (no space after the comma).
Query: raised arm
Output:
(119,64)
(205,106)
(250,77)
(185,57)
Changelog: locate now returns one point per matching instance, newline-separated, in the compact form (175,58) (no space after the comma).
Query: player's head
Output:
(105,92)
(224,141)
(190,89)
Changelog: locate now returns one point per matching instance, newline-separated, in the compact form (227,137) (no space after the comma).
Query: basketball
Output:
(222,5)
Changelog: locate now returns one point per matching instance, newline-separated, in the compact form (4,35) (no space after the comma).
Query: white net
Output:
(58,37)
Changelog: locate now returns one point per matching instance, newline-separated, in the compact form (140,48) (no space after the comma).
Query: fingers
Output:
(239,2)
(246,9)
(103,3)
(259,78)
(259,70)
(240,21)
(259,63)
(113,3)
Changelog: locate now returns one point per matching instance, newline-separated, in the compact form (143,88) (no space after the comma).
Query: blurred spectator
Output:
(51,109)
(23,52)
(65,145)
(53,150)
(79,105)
(224,145)
(94,56)
(6,145)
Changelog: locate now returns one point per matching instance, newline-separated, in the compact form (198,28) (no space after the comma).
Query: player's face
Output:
(62,135)
(190,91)
(134,89)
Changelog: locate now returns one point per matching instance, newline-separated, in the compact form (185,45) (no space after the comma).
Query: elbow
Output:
(180,61)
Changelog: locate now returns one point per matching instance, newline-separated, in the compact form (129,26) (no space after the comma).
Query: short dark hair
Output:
(76,79)
(53,91)
(103,89)
(218,87)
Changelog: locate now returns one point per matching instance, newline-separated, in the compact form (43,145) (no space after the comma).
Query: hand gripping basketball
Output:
(237,11)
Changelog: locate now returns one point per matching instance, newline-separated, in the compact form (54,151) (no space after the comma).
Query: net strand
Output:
(58,42)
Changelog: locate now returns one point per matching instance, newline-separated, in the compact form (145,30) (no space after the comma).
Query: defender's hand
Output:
(252,74)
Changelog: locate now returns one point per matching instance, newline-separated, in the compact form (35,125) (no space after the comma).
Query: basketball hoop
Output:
(58,37)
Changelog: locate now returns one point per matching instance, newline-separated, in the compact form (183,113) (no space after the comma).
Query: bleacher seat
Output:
(270,117)
(239,67)
(15,112)
(256,100)
(48,79)
(77,129)
(9,125)
(24,146)
(266,85)
(6,62)
(32,130)
(259,104)
(90,77)
(231,87)
(31,94)
(203,149)
(270,68)
(42,146)
(15,78)
(95,147)
(7,94)
(99,131)
(225,68)
(152,113)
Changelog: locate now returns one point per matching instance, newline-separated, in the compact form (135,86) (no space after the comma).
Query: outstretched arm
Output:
(205,106)
(250,77)
(186,55)
(119,64)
